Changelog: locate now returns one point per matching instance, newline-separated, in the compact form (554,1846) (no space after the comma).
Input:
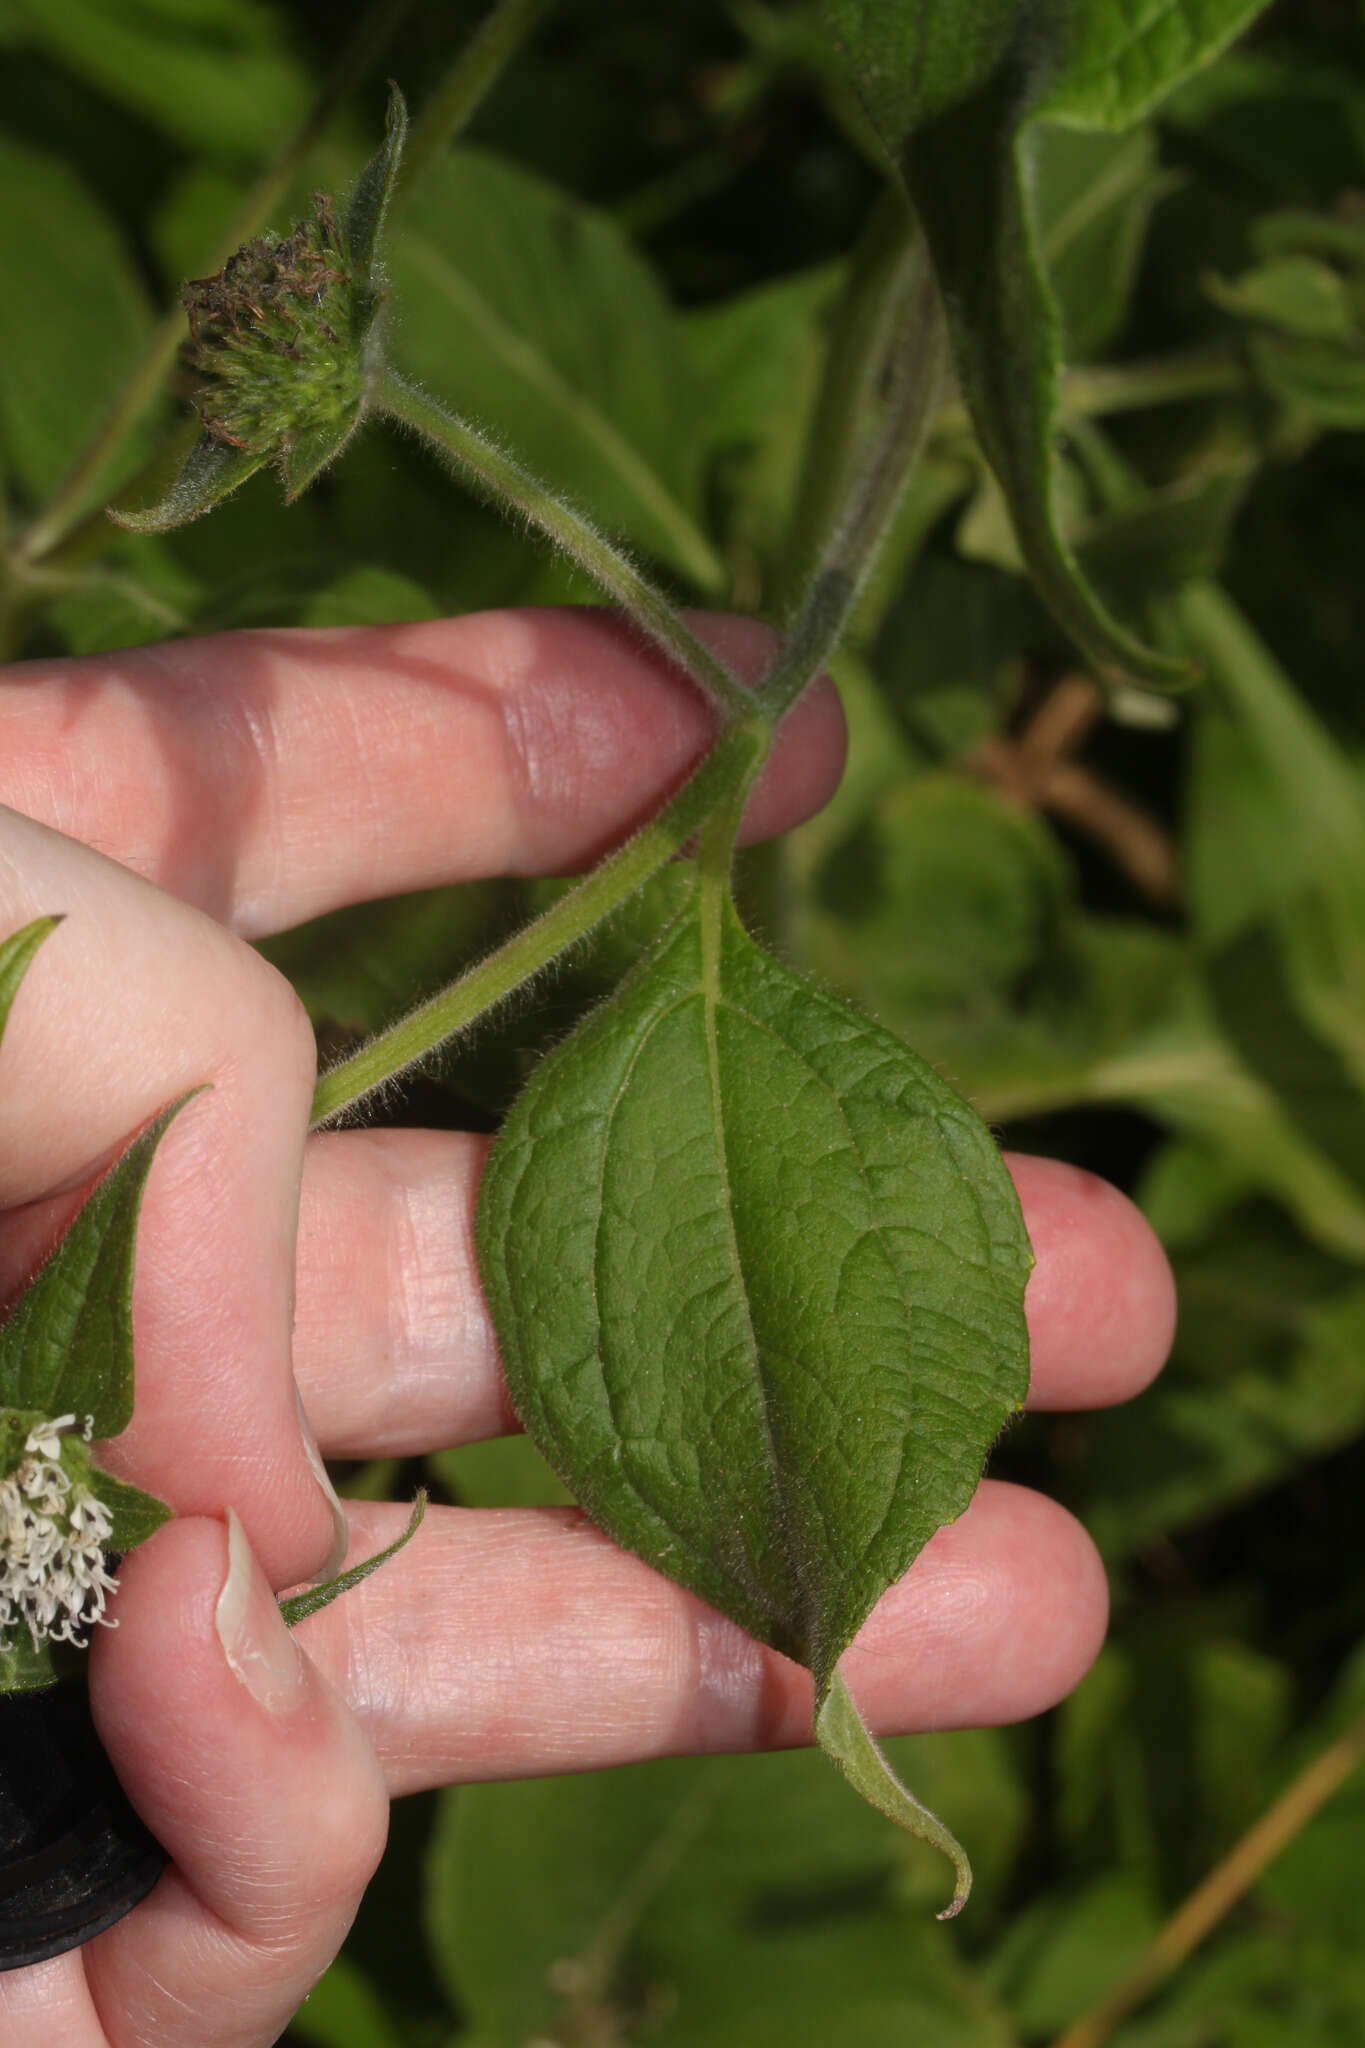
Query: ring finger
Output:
(394,1351)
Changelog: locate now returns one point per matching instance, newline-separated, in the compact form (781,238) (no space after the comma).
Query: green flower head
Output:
(283,347)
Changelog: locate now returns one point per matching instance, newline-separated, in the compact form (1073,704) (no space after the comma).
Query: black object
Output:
(74,1857)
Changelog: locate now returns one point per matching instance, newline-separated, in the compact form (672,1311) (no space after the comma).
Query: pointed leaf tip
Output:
(368,205)
(209,472)
(301,1605)
(16,957)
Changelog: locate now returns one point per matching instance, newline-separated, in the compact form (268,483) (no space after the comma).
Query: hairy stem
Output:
(505,482)
(478,67)
(731,764)
(914,356)
(71,499)
(859,339)
(1225,1884)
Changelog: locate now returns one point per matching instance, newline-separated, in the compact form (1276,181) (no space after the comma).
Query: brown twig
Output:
(1225,1884)
(1038,770)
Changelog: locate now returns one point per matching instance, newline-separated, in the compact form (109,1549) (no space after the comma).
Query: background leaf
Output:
(956,91)
(76,314)
(532,315)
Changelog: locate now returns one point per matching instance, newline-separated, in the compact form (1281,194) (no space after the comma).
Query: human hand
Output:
(252,781)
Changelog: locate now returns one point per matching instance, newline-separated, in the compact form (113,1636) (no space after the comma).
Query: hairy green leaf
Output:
(758,1277)
(958,89)
(301,1605)
(208,474)
(68,1345)
(369,202)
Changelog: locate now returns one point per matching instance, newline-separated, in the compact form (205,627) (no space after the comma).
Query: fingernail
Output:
(342,1539)
(258,1646)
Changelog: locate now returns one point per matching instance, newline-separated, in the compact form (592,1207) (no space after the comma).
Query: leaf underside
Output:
(758,1275)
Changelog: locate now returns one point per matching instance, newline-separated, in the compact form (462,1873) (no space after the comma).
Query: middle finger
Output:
(394,1351)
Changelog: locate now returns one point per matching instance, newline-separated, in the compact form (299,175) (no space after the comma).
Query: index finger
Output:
(268,776)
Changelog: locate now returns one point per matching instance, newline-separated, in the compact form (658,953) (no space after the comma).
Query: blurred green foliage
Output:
(1132,932)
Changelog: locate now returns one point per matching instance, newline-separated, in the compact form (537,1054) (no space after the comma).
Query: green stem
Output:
(1165,380)
(859,339)
(474,72)
(505,482)
(1101,388)
(846,1739)
(730,765)
(70,501)
(915,353)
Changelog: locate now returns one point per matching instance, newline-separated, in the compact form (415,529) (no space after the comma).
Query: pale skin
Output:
(175,802)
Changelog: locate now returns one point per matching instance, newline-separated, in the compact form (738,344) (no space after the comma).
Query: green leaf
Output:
(1300,841)
(743,1900)
(757,1275)
(301,1605)
(1296,294)
(207,475)
(1265,1377)
(958,91)
(1320,380)
(524,309)
(25,1667)
(311,451)
(75,318)
(369,596)
(217,74)
(1094,195)
(68,1344)
(137,1515)
(363,227)
(16,957)
(346,2009)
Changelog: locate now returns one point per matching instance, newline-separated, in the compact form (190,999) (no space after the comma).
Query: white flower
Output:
(53,1539)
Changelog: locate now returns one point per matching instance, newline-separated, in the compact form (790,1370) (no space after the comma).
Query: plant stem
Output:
(730,764)
(1225,1884)
(505,482)
(914,356)
(1164,380)
(858,343)
(70,501)
(477,68)
(1100,388)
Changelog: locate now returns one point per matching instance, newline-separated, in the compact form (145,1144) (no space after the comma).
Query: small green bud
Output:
(283,345)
